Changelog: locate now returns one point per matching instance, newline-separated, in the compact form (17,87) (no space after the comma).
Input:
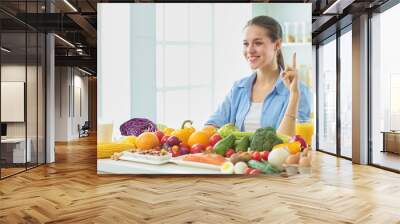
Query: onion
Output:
(277,157)
(137,126)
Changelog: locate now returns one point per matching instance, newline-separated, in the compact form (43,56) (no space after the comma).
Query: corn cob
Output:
(106,150)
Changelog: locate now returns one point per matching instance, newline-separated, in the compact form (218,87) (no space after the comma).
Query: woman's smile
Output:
(252,59)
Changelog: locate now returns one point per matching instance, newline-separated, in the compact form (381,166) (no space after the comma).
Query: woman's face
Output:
(258,48)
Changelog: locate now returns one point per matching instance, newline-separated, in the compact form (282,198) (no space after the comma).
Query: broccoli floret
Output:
(264,139)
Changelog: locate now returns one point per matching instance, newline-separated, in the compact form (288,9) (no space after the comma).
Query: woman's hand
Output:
(290,76)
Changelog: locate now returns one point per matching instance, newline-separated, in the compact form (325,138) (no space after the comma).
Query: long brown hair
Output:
(274,32)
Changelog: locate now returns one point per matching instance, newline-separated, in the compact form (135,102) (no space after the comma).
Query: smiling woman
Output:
(272,95)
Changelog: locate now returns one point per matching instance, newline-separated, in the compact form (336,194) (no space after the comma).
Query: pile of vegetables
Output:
(262,151)
(137,126)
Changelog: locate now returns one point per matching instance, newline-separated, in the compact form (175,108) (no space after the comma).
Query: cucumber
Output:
(223,145)
(264,167)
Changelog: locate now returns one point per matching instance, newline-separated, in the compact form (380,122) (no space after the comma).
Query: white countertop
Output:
(109,166)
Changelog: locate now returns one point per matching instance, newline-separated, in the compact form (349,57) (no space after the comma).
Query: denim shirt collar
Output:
(279,86)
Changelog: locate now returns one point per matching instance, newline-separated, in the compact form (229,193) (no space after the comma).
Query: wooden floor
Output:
(70,191)
(10,171)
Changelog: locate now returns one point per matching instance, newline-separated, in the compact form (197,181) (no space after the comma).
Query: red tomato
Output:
(229,153)
(264,155)
(214,139)
(256,156)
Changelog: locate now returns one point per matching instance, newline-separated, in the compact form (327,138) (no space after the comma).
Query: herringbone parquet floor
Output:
(70,191)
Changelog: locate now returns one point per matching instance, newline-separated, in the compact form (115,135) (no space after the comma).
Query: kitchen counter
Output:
(109,166)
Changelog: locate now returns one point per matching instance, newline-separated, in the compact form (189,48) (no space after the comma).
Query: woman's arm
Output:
(288,124)
(290,78)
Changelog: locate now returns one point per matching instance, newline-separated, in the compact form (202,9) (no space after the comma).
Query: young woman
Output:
(272,95)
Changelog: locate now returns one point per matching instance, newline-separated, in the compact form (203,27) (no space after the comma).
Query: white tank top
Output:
(253,117)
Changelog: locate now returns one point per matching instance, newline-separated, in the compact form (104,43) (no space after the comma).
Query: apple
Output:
(264,155)
(256,156)
(197,148)
(229,153)
(215,138)
(159,135)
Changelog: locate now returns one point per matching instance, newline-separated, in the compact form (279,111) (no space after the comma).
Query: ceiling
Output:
(77,22)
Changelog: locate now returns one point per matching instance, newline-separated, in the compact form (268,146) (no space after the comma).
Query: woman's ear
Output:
(278,44)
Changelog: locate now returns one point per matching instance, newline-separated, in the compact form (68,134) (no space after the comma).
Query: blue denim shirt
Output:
(237,104)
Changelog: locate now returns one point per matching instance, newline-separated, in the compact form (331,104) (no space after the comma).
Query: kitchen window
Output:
(327,96)
(198,57)
(385,89)
(346,94)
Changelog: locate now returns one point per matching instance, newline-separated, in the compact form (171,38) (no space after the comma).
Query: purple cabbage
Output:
(137,126)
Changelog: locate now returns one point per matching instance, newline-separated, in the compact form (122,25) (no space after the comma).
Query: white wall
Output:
(12,73)
(113,64)
(68,81)
(143,61)
(33,126)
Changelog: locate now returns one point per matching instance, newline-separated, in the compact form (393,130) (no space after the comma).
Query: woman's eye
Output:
(246,44)
(259,43)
